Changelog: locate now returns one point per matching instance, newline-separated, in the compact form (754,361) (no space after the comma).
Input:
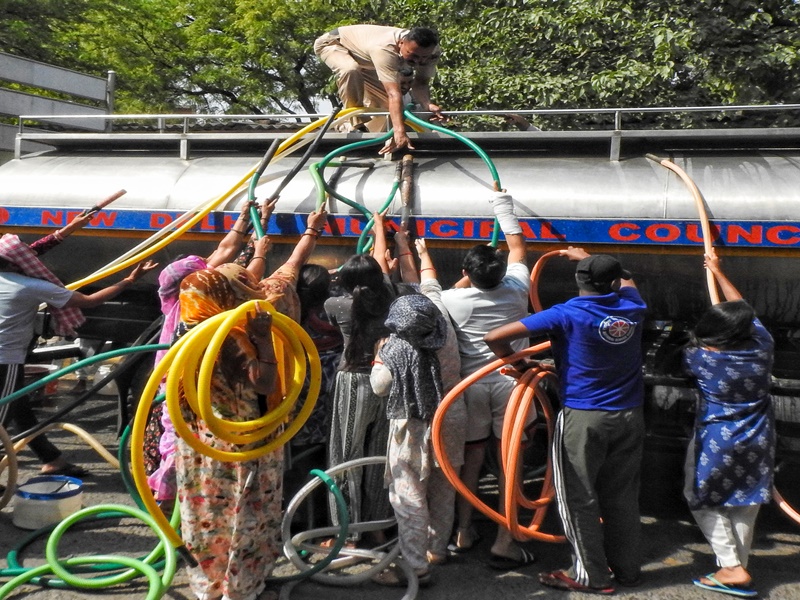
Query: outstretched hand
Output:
(712,261)
(259,324)
(141,269)
(574,253)
(438,116)
(262,246)
(397,142)
(317,219)
(267,209)
(78,222)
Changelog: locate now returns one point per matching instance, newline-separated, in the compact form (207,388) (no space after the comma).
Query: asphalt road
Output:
(674,551)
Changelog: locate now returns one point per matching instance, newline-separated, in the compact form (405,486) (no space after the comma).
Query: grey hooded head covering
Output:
(418,330)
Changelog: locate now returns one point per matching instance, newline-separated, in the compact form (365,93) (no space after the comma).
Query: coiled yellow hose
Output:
(200,346)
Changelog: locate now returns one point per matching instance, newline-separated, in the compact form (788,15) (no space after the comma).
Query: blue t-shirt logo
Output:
(616,330)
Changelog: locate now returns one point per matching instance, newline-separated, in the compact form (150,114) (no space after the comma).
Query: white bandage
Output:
(503,207)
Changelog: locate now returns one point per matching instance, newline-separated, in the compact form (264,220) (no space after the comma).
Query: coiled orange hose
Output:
(513,431)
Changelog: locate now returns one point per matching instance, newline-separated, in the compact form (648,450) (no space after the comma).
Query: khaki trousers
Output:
(357,85)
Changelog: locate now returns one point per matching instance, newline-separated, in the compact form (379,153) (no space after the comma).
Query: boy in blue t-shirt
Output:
(598,443)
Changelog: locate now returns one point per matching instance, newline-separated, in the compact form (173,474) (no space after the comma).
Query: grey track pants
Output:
(597,458)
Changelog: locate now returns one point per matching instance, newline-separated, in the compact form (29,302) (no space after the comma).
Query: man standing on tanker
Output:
(599,437)
(368,60)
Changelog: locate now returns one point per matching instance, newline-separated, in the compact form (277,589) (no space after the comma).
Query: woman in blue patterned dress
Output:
(729,464)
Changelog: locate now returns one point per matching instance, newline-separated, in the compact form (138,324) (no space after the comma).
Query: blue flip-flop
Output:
(739,590)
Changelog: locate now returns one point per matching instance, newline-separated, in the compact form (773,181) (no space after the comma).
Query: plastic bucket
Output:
(109,389)
(46,500)
(36,372)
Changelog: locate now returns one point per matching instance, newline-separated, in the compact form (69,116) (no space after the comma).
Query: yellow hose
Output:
(272,419)
(288,146)
(181,365)
(13,469)
(80,432)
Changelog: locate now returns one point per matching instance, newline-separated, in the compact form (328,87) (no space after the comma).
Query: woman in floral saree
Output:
(230,511)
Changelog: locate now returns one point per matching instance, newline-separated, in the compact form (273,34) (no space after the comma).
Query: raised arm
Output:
(52,240)
(308,241)
(503,208)
(258,264)
(408,269)
(80,300)
(577,254)
(712,263)
(231,244)
(380,247)
(426,268)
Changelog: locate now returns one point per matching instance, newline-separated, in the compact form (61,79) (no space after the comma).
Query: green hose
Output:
(344,524)
(158,585)
(364,244)
(255,216)
(464,140)
(477,149)
(16,568)
(155,591)
(322,188)
(51,550)
(79,365)
(124,462)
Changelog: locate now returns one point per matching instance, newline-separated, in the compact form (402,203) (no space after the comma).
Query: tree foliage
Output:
(255,56)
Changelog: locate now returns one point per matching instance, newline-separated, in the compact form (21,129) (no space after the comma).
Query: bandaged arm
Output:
(503,207)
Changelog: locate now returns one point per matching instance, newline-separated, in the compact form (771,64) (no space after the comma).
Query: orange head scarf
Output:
(243,282)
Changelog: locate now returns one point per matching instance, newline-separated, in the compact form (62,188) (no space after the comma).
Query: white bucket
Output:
(46,500)
(109,389)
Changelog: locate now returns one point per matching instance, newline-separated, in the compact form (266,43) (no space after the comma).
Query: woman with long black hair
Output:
(730,460)
(359,425)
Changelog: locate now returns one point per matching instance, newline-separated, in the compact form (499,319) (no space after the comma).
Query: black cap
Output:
(600,270)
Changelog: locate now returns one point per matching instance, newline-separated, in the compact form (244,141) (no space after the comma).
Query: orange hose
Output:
(536,273)
(512,462)
(513,430)
(701,211)
(785,506)
(527,391)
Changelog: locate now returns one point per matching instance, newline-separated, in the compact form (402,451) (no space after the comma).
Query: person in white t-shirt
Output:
(20,297)
(367,61)
(497,295)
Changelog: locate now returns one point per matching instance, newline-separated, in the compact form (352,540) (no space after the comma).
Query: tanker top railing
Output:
(183,128)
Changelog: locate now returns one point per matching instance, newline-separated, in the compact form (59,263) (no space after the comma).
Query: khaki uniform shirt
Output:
(375,47)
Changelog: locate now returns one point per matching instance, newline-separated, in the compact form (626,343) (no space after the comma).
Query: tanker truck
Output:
(602,189)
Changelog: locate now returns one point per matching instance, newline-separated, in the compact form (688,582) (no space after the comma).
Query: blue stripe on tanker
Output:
(638,232)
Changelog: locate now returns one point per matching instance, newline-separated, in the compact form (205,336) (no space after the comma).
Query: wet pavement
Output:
(674,551)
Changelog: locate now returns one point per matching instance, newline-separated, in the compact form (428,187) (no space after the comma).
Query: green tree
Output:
(255,56)
(236,56)
(30,28)
(591,54)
